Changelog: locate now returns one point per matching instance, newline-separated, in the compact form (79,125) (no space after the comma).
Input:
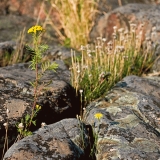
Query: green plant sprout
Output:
(40,67)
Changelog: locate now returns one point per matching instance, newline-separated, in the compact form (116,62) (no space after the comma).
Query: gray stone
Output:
(130,126)
(58,100)
(60,141)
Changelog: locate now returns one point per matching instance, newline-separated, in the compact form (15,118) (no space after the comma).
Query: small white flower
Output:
(82,48)
(148,38)
(99,38)
(133,25)
(104,39)
(120,30)
(81,91)
(89,55)
(7,111)
(154,29)
(21,126)
(43,124)
(126,32)
(5,124)
(110,43)
(115,28)
(77,116)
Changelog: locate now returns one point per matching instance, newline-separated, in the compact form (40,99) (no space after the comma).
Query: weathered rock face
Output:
(59,141)
(6,49)
(133,13)
(130,127)
(58,100)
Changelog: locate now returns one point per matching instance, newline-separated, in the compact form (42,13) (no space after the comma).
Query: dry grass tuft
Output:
(101,65)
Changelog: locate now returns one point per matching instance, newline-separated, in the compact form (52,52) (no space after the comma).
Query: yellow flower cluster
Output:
(34,29)
(98,116)
(38,107)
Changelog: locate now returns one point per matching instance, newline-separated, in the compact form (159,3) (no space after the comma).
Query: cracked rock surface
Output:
(130,127)
(59,141)
(58,100)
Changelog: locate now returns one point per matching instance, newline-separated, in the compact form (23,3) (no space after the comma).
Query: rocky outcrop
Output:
(58,100)
(60,141)
(130,127)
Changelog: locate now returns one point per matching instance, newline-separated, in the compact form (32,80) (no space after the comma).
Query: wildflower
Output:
(21,126)
(81,91)
(132,25)
(154,29)
(114,36)
(43,124)
(115,28)
(88,51)
(35,29)
(99,38)
(7,111)
(38,107)
(89,55)
(5,124)
(77,116)
(104,39)
(120,30)
(82,48)
(126,32)
(110,43)
(98,116)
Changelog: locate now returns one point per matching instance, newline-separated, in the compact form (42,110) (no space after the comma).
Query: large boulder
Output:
(58,100)
(63,140)
(130,126)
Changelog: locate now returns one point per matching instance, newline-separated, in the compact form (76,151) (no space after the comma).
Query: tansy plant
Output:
(40,67)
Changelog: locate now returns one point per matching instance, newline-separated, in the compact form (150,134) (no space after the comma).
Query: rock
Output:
(59,141)
(106,6)
(58,100)
(130,126)
(6,49)
(121,16)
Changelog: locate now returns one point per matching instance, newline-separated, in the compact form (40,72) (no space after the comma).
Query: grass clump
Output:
(103,64)
(76,20)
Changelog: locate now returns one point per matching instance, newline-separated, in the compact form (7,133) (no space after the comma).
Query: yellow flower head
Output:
(98,116)
(35,29)
(38,107)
